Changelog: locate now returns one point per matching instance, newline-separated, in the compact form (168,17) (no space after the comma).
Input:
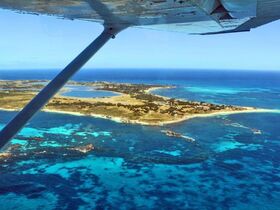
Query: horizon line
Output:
(146,68)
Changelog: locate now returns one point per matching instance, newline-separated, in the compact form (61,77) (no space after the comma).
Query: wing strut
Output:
(16,124)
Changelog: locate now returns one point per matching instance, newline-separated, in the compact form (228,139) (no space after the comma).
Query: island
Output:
(135,103)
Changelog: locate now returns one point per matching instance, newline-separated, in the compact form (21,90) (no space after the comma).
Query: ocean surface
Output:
(233,164)
(86,92)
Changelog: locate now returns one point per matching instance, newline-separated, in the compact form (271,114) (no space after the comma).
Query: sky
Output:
(45,42)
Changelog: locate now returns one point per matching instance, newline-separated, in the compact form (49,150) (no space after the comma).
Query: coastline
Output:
(214,114)
(9,110)
(185,118)
(135,104)
(158,88)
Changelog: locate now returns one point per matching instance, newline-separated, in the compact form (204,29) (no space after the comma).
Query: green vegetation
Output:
(135,104)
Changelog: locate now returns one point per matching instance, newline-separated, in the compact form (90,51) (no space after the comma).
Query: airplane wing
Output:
(190,16)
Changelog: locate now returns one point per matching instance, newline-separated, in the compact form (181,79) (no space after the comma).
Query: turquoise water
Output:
(229,166)
(86,92)
(243,96)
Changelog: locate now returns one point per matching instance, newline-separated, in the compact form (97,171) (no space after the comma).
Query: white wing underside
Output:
(190,16)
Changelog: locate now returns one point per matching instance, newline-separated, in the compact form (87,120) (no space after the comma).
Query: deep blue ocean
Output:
(230,166)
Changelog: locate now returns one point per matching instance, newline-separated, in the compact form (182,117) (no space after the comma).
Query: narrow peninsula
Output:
(134,103)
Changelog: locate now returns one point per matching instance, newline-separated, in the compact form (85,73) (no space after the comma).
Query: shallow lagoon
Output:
(86,92)
(134,166)
(144,168)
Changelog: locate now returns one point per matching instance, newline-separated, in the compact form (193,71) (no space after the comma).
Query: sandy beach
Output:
(125,120)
